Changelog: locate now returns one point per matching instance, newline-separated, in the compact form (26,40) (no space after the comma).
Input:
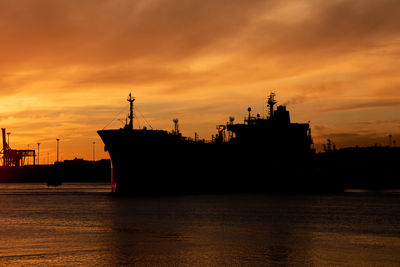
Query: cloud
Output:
(367,104)
(104,32)
(375,122)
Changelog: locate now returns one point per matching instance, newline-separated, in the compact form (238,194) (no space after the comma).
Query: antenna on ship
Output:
(130,99)
(271,102)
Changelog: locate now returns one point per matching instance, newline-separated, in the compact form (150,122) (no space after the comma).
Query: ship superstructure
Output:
(275,133)
(147,161)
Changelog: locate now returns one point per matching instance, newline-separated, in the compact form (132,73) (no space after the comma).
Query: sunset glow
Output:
(66,68)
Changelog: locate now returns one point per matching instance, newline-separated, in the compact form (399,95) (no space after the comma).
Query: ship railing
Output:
(251,120)
(192,140)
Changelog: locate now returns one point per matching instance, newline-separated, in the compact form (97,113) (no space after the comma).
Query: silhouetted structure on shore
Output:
(77,170)
(14,157)
(14,168)
(374,167)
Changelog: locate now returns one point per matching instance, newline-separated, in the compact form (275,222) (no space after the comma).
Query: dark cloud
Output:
(330,27)
(375,122)
(103,32)
(139,42)
(366,104)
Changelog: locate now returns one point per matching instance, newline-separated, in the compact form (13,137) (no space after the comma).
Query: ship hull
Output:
(156,162)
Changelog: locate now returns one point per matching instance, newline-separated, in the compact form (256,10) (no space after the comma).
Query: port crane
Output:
(14,157)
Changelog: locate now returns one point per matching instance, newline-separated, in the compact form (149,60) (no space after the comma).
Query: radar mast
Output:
(130,99)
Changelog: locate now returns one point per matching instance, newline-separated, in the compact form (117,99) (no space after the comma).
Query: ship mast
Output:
(130,99)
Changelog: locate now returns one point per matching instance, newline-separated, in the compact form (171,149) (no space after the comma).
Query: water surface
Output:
(83,224)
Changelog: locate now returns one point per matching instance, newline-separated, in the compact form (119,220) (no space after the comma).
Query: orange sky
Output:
(67,66)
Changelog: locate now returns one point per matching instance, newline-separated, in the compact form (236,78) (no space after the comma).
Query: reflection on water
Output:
(84,224)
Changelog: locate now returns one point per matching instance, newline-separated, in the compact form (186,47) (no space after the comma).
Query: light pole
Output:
(58,141)
(94,151)
(28,152)
(38,144)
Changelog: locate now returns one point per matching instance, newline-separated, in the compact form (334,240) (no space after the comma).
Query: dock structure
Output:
(14,157)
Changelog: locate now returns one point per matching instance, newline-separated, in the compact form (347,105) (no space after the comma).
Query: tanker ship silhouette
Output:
(262,154)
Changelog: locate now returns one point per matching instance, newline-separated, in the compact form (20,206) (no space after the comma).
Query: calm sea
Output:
(83,224)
